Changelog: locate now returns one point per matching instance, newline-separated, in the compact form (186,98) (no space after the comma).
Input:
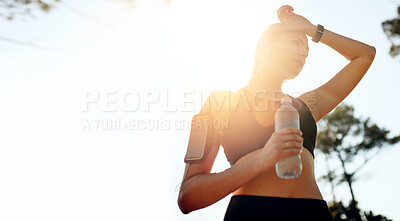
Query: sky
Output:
(95,120)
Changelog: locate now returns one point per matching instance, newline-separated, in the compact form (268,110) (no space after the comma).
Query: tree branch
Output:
(27,44)
(365,161)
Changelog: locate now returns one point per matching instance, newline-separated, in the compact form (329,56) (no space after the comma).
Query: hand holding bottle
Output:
(283,143)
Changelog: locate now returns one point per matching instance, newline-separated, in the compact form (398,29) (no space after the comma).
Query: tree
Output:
(343,213)
(392,30)
(10,9)
(346,138)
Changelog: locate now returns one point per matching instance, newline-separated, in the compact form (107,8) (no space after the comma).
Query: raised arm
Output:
(330,94)
(360,56)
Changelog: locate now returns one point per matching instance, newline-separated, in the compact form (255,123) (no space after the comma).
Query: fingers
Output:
(285,8)
(291,145)
(290,152)
(283,11)
(283,143)
(291,137)
(290,149)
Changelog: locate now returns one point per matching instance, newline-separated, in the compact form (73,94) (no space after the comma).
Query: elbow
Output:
(371,55)
(367,55)
(182,203)
(372,52)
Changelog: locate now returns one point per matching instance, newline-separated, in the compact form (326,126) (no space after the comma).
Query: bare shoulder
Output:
(219,102)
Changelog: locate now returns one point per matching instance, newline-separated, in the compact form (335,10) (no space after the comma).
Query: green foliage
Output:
(11,9)
(337,129)
(334,127)
(392,30)
(346,138)
(340,212)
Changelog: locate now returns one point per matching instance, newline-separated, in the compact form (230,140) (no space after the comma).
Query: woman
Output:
(250,143)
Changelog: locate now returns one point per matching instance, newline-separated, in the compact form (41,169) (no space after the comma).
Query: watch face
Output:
(318,34)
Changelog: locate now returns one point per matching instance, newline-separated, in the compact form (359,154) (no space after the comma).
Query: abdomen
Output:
(269,184)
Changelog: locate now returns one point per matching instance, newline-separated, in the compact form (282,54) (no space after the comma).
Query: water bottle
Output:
(287,116)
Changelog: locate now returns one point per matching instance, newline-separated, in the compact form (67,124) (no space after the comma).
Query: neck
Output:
(263,81)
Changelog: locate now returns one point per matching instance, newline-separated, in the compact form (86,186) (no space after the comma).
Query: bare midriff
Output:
(269,184)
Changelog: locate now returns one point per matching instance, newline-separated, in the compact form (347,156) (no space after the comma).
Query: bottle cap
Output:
(286,99)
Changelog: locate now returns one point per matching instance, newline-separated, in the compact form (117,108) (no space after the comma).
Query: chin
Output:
(290,72)
(294,74)
(297,71)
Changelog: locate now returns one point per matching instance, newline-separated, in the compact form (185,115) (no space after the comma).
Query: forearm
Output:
(349,48)
(203,190)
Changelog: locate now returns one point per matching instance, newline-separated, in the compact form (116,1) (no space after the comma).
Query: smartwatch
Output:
(318,34)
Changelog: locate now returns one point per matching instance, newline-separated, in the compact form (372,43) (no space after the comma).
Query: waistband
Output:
(261,208)
(277,198)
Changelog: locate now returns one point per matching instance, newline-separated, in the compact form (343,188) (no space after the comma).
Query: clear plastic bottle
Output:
(287,116)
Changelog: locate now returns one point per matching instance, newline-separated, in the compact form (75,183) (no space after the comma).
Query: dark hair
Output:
(270,35)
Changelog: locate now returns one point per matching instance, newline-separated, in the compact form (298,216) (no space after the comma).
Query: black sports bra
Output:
(244,134)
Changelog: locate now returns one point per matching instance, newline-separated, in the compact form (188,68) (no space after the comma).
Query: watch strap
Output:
(318,34)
